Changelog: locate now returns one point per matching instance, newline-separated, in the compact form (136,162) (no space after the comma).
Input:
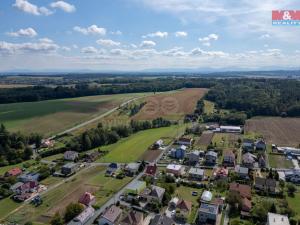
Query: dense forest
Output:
(15,147)
(265,97)
(39,93)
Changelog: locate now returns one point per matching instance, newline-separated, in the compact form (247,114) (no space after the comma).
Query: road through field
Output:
(95,119)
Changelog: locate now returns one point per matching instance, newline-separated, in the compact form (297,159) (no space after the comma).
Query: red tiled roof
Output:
(246,205)
(14,172)
(151,169)
(243,190)
(86,198)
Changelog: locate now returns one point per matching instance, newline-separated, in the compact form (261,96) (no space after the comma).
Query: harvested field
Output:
(205,139)
(151,155)
(276,130)
(173,105)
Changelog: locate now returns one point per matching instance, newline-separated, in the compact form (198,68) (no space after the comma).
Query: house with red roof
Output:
(13,172)
(151,169)
(184,206)
(87,199)
(244,192)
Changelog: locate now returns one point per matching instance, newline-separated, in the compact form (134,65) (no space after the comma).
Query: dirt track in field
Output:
(151,155)
(205,139)
(172,105)
(276,130)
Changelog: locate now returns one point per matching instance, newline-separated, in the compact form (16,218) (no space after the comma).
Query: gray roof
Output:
(208,208)
(133,166)
(241,169)
(161,220)
(157,191)
(212,153)
(196,171)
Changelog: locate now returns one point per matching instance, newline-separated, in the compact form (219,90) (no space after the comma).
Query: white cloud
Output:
(147,44)
(89,50)
(181,34)
(93,29)
(107,43)
(46,40)
(30,8)
(156,34)
(63,6)
(66,48)
(265,36)
(206,41)
(118,32)
(27,32)
(41,47)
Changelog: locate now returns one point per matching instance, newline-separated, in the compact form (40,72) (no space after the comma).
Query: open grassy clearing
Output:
(53,116)
(276,130)
(279,161)
(171,105)
(294,203)
(225,140)
(209,107)
(132,148)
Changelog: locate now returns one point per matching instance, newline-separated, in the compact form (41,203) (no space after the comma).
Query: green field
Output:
(209,107)
(132,148)
(53,116)
(279,161)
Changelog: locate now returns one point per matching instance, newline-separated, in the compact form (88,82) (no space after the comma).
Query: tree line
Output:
(15,147)
(39,93)
(101,135)
(258,97)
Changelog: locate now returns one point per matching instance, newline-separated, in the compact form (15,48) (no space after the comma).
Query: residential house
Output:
(135,187)
(229,158)
(260,145)
(208,213)
(133,218)
(206,196)
(262,162)
(185,141)
(28,187)
(277,219)
(69,169)
(71,156)
(175,169)
(13,172)
(83,217)
(196,174)
(242,172)
(111,216)
(161,220)
(47,143)
(220,202)
(132,169)
(26,177)
(249,160)
(211,158)
(185,207)
(154,193)
(179,153)
(151,169)
(87,199)
(265,184)
(16,187)
(244,191)
(220,173)
(248,145)
(112,169)
(194,157)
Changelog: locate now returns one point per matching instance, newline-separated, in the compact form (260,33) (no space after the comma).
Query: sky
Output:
(139,35)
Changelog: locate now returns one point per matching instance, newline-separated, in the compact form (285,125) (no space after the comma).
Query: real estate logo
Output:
(286,17)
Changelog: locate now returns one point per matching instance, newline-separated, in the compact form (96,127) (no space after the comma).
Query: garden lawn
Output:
(279,161)
(294,204)
(7,205)
(132,148)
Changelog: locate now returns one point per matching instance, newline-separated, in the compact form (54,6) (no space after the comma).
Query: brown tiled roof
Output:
(133,218)
(14,172)
(242,189)
(112,213)
(184,205)
(246,205)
